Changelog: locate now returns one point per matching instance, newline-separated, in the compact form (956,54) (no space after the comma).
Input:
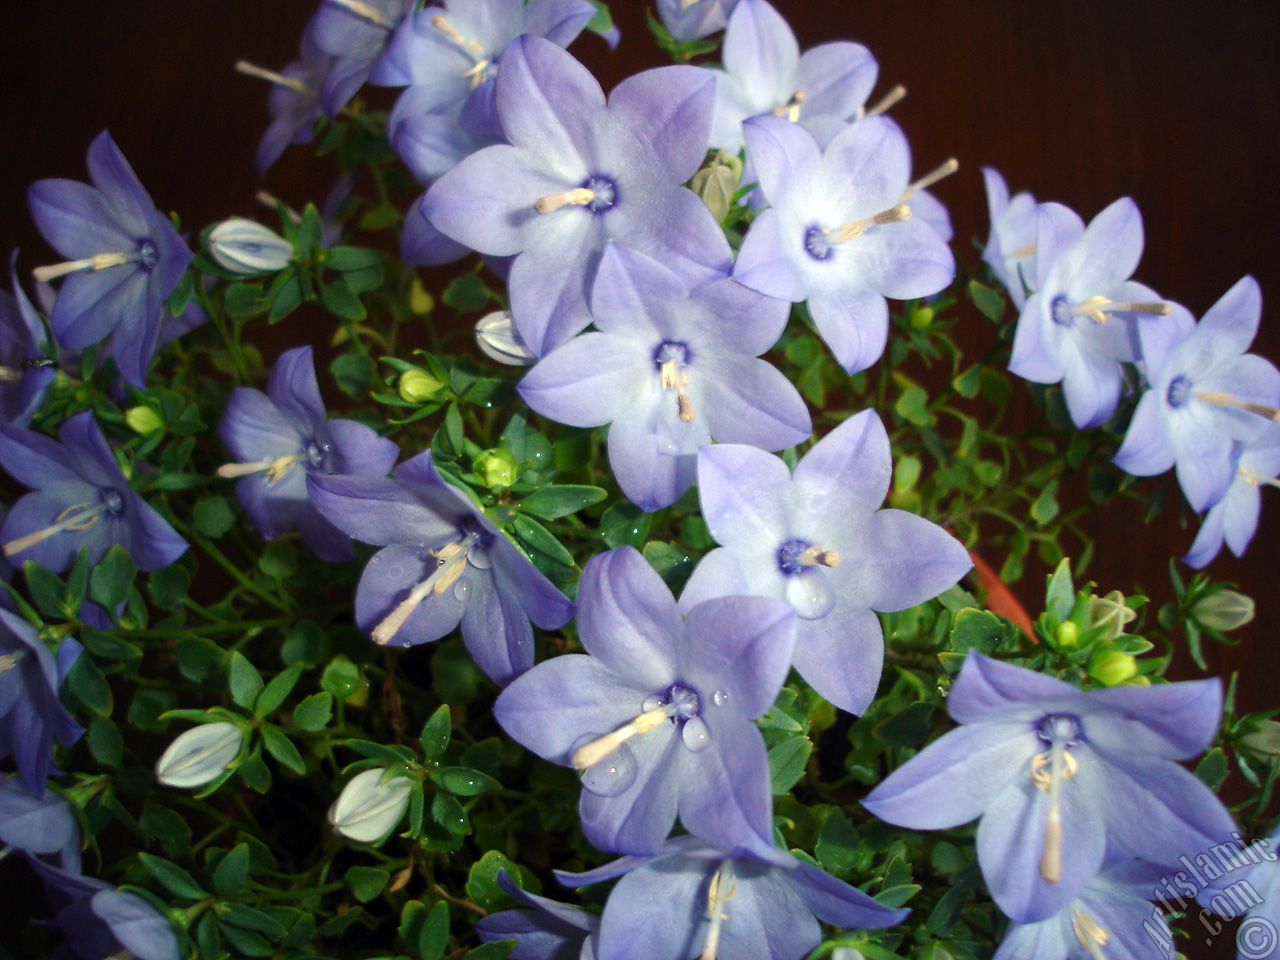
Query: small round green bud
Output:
(360,695)
(1113,667)
(1068,633)
(921,317)
(497,469)
(143,420)
(418,386)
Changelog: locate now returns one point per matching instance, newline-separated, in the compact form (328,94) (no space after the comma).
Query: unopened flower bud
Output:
(1068,634)
(1263,741)
(143,420)
(243,246)
(368,808)
(1113,667)
(418,386)
(200,755)
(1110,612)
(717,182)
(497,469)
(1223,610)
(500,341)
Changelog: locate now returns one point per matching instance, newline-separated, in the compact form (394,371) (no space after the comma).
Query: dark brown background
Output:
(1174,102)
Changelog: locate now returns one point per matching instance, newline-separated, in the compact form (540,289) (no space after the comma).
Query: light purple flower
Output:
(283,436)
(100,921)
(670,369)
(356,34)
(31,716)
(442,562)
(577,173)
(1078,326)
(1011,246)
(125,258)
(1234,518)
(25,371)
(1205,395)
(43,826)
(659,715)
(688,20)
(765,74)
(1059,776)
(818,540)
(839,234)
(80,498)
(691,899)
(1255,892)
(547,930)
(294,100)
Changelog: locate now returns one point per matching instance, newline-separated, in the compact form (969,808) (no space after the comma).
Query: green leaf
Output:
(987,300)
(907,728)
(111,579)
(88,685)
(912,406)
(244,681)
(1061,594)
(213,517)
(282,748)
(172,877)
(1045,507)
(354,374)
(288,296)
(276,691)
(624,524)
(482,882)
(349,259)
(978,630)
(448,812)
(314,713)
(303,644)
(105,742)
(464,782)
(540,540)
(232,871)
(672,562)
(906,473)
(453,427)
(466,294)
(367,882)
(436,733)
(554,502)
(340,301)
(602,20)
(1212,769)
(968,383)
(198,657)
(168,586)
(279,559)
(837,845)
(243,299)
(341,678)
(255,773)
(494,950)
(787,762)
(895,897)
(435,932)
(46,590)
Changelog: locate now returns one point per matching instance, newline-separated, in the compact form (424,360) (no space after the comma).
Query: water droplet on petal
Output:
(479,558)
(720,698)
(652,702)
(611,775)
(695,734)
(810,594)
(461,590)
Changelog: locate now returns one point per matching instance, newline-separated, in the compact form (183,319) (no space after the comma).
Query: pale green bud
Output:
(1223,610)
(1110,612)
(1264,740)
(1113,667)
(717,182)
(1068,634)
(418,386)
(143,420)
(497,469)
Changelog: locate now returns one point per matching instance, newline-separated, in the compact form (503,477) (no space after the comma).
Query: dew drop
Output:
(479,558)
(461,590)
(613,774)
(652,702)
(695,734)
(720,698)
(810,594)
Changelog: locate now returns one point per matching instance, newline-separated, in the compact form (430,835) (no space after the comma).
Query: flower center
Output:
(1059,729)
(450,562)
(671,357)
(77,517)
(316,453)
(598,194)
(817,243)
(1048,771)
(1179,391)
(1060,310)
(112,501)
(605,194)
(791,109)
(147,255)
(796,556)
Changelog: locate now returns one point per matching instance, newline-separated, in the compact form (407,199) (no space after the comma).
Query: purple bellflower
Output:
(99,921)
(283,436)
(442,562)
(1234,518)
(818,540)
(294,100)
(691,899)
(356,34)
(25,371)
(658,714)
(670,369)
(80,498)
(1078,326)
(765,74)
(125,258)
(1058,776)
(689,20)
(1206,394)
(1255,892)
(31,716)
(1011,247)
(577,173)
(41,826)
(840,234)
(1110,918)
(547,930)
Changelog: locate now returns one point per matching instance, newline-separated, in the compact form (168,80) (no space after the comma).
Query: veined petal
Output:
(549,105)
(657,911)
(908,560)
(839,904)
(550,281)
(638,819)
(495,629)
(388,579)
(782,153)
(1146,450)
(253,427)
(379,510)
(744,492)
(591,380)
(760,52)
(75,219)
(841,655)
(718,574)
(292,385)
(1171,720)
(742,645)
(837,79)
(847,473)
(854,325)
(1107,252)
(667,112)
(865,169)
(989,689)
(1234,318)
(724,796)
(649,474)
(750,401)
(627,618)
(632,291)
(767,262)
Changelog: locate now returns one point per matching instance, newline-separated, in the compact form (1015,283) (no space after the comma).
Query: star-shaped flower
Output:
(691,899)
(442,562)
(356,34)
(25,371)
(1205,394)
(818,540)
(658,715)
(283,436)
(125,259)
(839,234)
(1011,246)
(689,20)
(1059,776)
(294,100)
(1234,518)
(577,173)
(670,369)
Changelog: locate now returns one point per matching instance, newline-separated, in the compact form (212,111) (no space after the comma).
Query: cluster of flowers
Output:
(1206,407)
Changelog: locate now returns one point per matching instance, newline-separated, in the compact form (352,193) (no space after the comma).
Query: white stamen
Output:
(1098,308)
(449,30)
(1227,400)
(791,109)
(887,101)
(723,878)
(1091,936)
(1062,766)
(815,557)
(856,228)
(253,70)
(272,201)
(939,172)
(451,561)
(9,661)
(589,754)
(100,261)
(479,73)
(275,469)
(1253,479)
(1027,251)
(10,374)
(77,517)
(686,4)
(577,197)
(675,377)
(366,12)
